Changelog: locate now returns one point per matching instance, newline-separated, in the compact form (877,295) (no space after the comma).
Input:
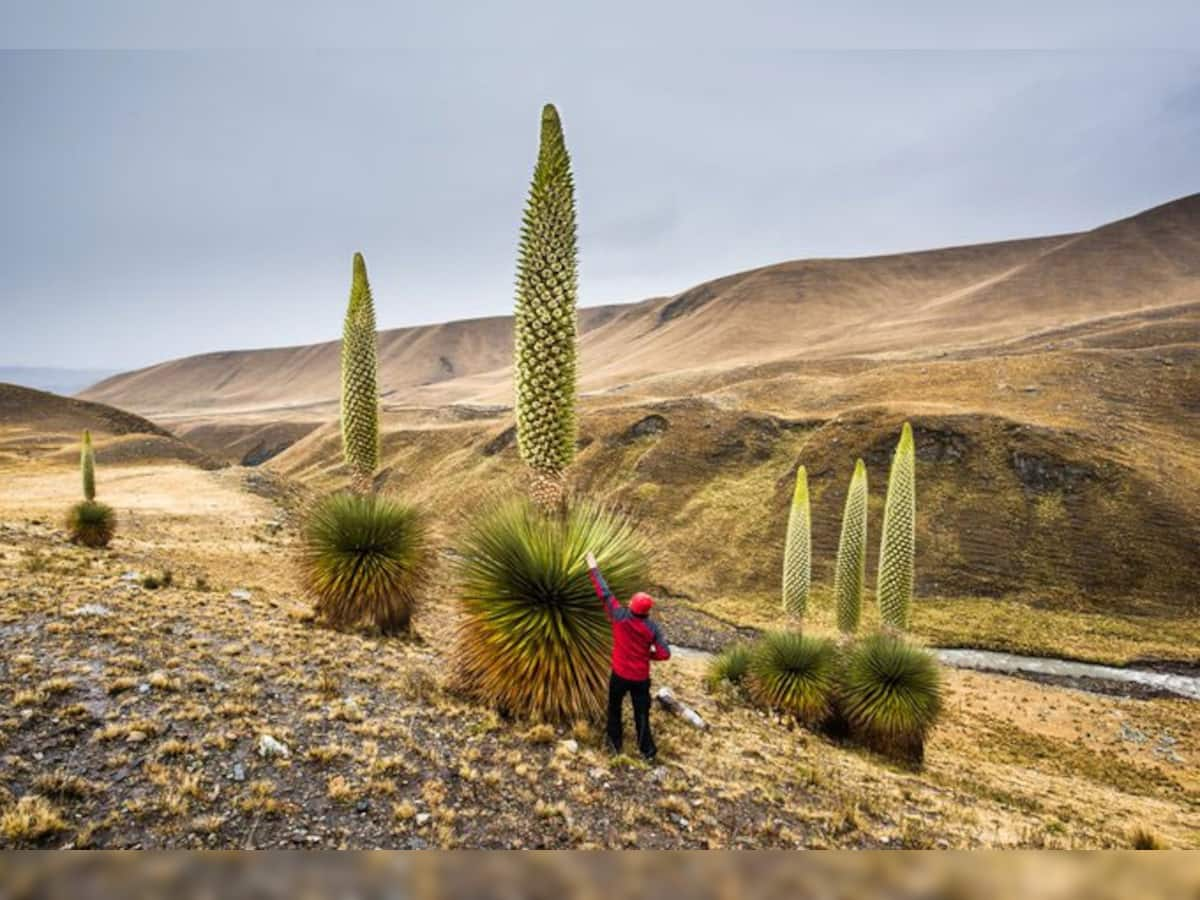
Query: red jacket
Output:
(636,639)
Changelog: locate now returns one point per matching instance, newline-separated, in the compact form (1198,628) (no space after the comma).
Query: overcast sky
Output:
(158,204)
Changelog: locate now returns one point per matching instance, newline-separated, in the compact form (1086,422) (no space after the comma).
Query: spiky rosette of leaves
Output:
(850,572)
(797,550)
(897,548)
(360,389)
(91,523)
(729,666)
(365,557)
(795,674)
(545,324)
(87,466)
(534,640)
(891,696)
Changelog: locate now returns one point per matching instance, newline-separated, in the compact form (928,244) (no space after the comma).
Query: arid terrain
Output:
(1054,389)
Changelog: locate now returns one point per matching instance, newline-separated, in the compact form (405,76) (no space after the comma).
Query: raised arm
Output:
(601,587)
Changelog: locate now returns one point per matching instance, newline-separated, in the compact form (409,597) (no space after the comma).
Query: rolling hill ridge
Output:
(1053,384)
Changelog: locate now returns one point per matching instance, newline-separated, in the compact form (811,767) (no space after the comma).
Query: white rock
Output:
(240,594)
(570,746)
(91,609)
(131,576)
(423,818)
(268,747)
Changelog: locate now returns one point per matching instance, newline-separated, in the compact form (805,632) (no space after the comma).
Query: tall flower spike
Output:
(360,391)
(545,323)
(797,551)
(852,553)
(87,466)
(897,549)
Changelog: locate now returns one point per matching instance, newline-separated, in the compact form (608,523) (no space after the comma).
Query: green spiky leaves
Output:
(534,639)
(794,674)
(797,551)
(850,572)
(365,557)
(729,666)
(897,549)
(360,390)
(545,324)
(87,466)
(91,524)
(891,695)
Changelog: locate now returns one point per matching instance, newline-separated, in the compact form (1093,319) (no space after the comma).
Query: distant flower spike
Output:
(87,466)
(852,553)
(90,522)
(797,551)
(898,546)
(545,326)
(360,390)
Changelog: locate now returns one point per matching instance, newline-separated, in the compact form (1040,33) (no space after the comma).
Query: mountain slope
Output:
(1053,384)
(912,303)
(38,424)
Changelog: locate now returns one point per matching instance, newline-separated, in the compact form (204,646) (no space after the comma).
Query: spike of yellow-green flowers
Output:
(360,391)
(87,467)
(852,553)
(897,548)
(545,325)
(797,551)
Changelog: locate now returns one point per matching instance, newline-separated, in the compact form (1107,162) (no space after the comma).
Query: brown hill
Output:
(910,304)
(1053,384)
(38,424)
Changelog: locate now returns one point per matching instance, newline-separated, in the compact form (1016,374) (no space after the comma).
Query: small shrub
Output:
(728,666)
(91,523)
(534,640)
(1142,838)
(154,582)
(891,696)
(365,556)
(794,674)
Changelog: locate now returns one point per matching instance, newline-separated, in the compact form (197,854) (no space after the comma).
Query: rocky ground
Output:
(210,710)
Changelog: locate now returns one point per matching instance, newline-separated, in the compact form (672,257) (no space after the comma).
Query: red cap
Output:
(640,604)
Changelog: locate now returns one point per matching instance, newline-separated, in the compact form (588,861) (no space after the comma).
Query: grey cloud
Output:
(160,204)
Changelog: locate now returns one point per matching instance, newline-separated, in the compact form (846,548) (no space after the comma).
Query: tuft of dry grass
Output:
(64,786)
(31,818)
(1142,838)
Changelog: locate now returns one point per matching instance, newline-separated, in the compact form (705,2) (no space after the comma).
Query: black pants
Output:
(639,692)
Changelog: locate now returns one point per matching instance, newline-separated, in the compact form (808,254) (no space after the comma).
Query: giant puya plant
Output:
(545,322)
(850,570)
(890,695)
(797,551)
(90,522)
(883,691)
(364,556)
(787,671)
(534,639)
(898,546)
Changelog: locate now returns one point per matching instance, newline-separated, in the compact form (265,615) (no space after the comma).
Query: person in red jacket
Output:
(637,640)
